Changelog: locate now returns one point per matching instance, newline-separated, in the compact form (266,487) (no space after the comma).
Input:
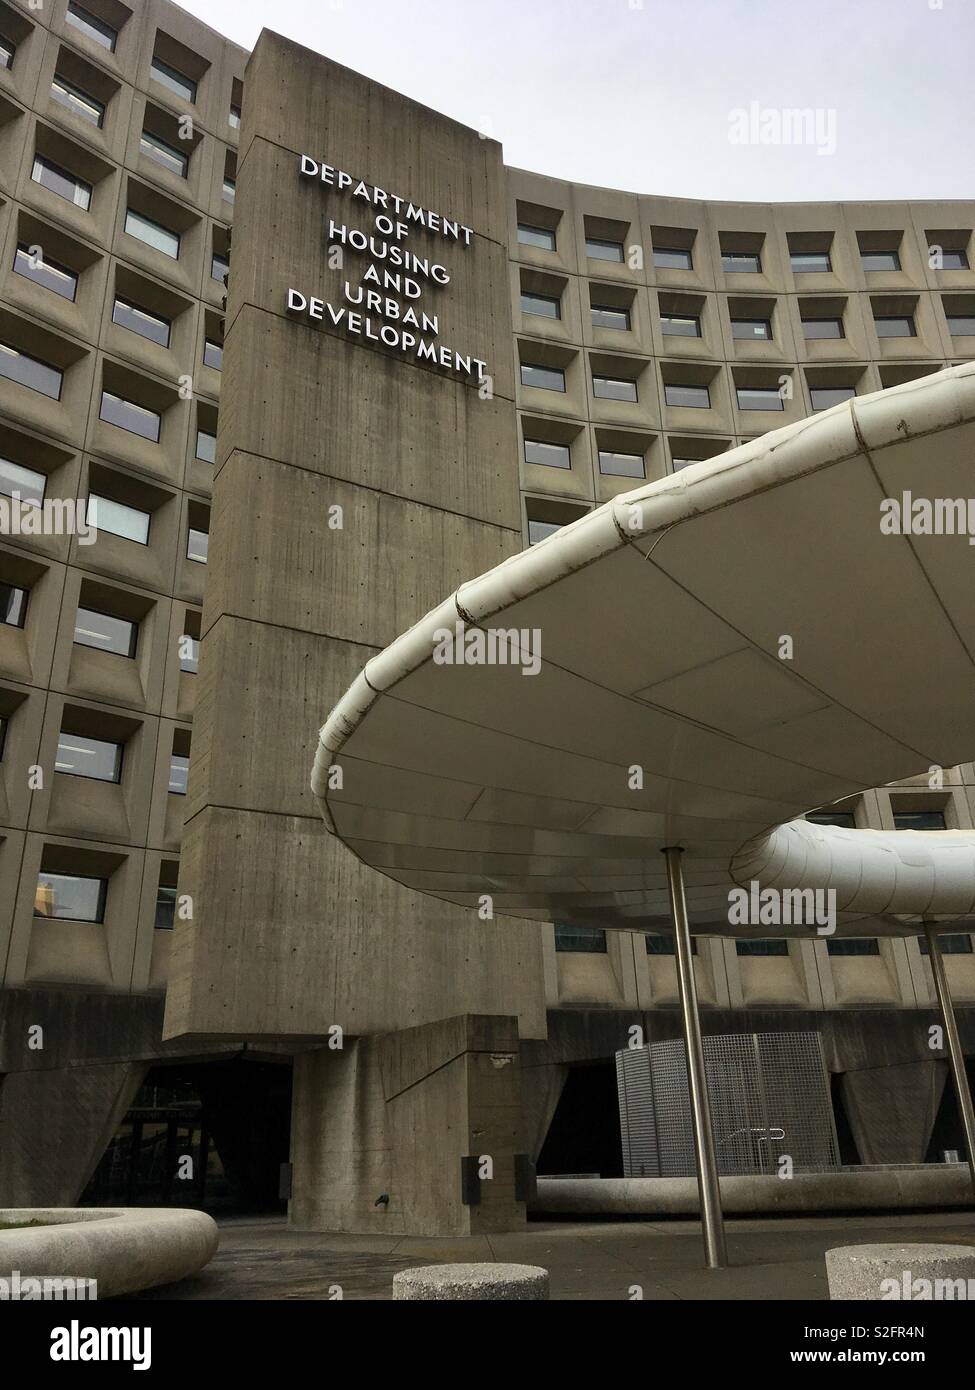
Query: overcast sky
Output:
(639,94)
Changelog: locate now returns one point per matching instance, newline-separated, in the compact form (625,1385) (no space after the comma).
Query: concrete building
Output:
(354,479)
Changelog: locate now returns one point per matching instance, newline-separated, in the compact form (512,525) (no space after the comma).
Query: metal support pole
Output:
(709,1192)
(955,1054)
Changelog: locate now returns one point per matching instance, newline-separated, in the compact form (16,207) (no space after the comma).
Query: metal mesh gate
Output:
(769,1096)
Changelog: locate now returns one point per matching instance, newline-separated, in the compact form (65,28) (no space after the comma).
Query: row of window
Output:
(108,632)
(592,940)
(83,898)
(872,259)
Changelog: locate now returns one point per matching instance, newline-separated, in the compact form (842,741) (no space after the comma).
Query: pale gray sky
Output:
(637,94)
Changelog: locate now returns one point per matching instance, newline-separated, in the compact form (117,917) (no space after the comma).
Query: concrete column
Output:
(892,1109)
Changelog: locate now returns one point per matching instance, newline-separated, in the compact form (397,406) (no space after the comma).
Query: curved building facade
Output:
(385,396)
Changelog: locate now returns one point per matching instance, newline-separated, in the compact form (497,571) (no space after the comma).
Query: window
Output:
(603,316)
(880,260)
(853,946)
(197,545)
(616,465)
(541,237)
(823,328)
(955,260)
(548,455)
(165,154)
(78,102)
(105,632)
(539,530)
(233,118)
(158,237)
(692,397)
(961,325)
(741,262)
(544,305)
(206,446)
(59,181)
(230,190)
(219,268)
(118,519)
(29,371)
(598,250)
(32,265)
(3,735)
(588,939)
(136,320)
(811,262)
(680,325)
(92,26)
(189,659)
(759,398)
(663,945)
(7,51)
(610,388)
(174,80)
(25,483)
(919,820)
(545,378)
(762,948)
(137,419)
(96,758)
(213,354)
(752,330)
(894,326)
(845,819)
(13,605)
(672,258)
(179,772)
(823,397)
(951,943)
(165,908)
(75,897)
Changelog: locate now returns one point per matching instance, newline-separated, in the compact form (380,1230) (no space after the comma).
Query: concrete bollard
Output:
(915,1273)
(472,1281)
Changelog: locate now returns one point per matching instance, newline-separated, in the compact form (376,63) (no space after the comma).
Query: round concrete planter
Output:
(466,1282)
(123,1249)
(915,1273)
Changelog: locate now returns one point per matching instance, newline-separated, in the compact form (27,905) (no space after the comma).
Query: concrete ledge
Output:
(916,1273)
(472,1281)
(867,1189)
(124,1249)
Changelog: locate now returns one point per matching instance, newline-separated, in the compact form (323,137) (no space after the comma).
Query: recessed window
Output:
(127,415)
(7,53)
(97,758)
(951,944)
(762,948)
(219,268)
(880,260)
(617,465)
(13,605)
(853,946)
(541,530)
(919,820)
(741,263)
(29,371)
(3,735)
(25,483)
(165,154)
(895,326)
(846,819)
(118,519)
(213,354)
(752,330)
(57,180)
(603,316)
(152,326)
(176,81)
(544,378)
(189,654)
(823,397)
(690,397)
(206,446)
(672,258)
(823,328)
(544,305)
(542,237)
(759,398)
(591,940)
(74,897)
(103,34)
(197,545)
(955,260)
(811,262)
(680,325)
(79,102)
(152,233)
(165,919)
(961,325)
(548,455)
(663,945)
(179,774)
(612,388)
(230,190)
(29,262)
(233,118)
(105,633)
(599,250)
